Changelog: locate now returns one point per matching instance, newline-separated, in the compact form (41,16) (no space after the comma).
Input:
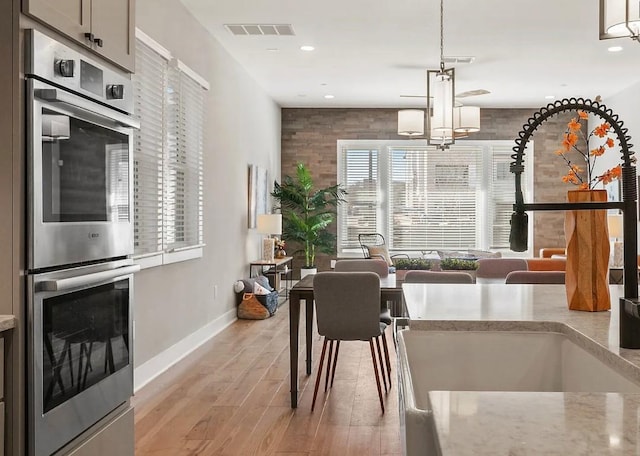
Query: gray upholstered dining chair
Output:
(496,269)
(348,309)
(437,277)
(550,277)
(376,265)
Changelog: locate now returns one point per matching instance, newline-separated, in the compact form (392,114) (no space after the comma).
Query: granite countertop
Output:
(521,423)
(7,322)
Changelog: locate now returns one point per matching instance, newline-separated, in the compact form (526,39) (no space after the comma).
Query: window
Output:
(168,169)
(422,198)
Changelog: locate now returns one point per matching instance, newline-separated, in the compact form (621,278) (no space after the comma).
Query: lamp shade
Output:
(619,18)
(440,90)
(466,119)
(614,223)
(411,122)
(269,224)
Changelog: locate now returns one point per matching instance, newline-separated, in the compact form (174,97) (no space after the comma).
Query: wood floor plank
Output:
(231,397)
(363,440)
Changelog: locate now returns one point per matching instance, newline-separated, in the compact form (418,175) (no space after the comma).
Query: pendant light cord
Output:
(442,35)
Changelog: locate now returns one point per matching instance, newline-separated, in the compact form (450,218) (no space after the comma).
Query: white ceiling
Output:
(369,52)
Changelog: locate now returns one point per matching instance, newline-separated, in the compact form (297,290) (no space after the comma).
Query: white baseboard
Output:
(146,372)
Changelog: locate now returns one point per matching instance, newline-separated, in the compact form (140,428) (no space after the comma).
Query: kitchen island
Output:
(529,423)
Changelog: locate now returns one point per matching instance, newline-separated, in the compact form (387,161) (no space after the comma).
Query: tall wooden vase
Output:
(587,274)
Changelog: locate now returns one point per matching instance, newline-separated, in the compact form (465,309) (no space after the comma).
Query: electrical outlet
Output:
(215,291)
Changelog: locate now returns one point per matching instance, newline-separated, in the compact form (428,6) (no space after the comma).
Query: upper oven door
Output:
(80,178)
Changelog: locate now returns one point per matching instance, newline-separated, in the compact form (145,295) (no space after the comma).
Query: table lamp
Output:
(269,224)
(614,223)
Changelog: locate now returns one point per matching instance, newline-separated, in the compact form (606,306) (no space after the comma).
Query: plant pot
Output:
(306,271)
(400,273)
(587,267)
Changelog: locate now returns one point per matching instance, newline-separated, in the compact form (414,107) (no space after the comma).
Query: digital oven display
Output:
(91,78)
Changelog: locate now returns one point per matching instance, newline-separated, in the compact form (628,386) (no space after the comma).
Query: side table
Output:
(278,267)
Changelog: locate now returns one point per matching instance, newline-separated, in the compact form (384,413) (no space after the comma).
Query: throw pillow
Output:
(379,251)
(260,290)
(484,254)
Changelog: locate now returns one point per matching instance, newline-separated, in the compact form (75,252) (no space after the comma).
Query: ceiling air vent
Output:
(458,59)
(260,29)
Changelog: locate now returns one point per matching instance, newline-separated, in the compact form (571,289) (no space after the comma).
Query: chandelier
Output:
(619,18)
(440,98)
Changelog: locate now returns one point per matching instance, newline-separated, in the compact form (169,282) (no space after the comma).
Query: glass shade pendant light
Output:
(440,98)
(619,18)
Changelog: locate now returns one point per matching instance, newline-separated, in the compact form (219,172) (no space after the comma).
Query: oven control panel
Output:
(55,62)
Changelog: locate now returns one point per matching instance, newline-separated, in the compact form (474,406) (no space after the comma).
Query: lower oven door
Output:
(80,350)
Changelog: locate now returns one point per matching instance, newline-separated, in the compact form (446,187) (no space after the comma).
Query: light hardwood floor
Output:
(231,397)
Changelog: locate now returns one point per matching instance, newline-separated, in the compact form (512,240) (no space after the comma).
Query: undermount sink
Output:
(533,361)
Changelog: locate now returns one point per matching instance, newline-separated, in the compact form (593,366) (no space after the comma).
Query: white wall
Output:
(175,304)
(625,104)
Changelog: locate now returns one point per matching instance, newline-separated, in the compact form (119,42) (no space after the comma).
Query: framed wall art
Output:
(258,193)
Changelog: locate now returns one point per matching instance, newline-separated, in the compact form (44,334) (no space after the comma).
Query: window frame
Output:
(176,155)
(484,225)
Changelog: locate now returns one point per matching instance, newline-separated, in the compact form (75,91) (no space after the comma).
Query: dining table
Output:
(390,291)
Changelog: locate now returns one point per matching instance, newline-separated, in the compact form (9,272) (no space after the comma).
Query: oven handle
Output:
(87,279)
(58,96)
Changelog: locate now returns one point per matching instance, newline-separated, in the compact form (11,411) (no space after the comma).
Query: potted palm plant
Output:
(307,213)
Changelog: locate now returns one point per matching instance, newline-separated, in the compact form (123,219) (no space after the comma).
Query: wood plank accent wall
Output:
(309,136)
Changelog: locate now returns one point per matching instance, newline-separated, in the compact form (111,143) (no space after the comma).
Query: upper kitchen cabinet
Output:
(104,26)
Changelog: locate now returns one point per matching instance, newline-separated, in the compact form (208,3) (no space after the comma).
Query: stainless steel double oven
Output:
(80,221)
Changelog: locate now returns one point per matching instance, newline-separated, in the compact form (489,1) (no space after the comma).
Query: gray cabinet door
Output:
(112,22)
(71,17)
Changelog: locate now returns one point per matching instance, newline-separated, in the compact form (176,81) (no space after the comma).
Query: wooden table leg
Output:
(294,332)
(309,317)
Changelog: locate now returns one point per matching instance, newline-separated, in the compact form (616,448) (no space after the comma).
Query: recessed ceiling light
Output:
(273,49)
(307,48)
(549,97)
(328,97)
(615,49)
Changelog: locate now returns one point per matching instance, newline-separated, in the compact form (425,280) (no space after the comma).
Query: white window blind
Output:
(168,175)
(426,198)
(407,221)
(453,194)
(433,198)
(359,176)
(183,169)
(150,85)
(501,196)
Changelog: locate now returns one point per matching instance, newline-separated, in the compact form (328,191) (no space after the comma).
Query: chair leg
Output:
(386,355)
(382,372)
(319,374)
(329,362)
(375,370)
(335,362)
